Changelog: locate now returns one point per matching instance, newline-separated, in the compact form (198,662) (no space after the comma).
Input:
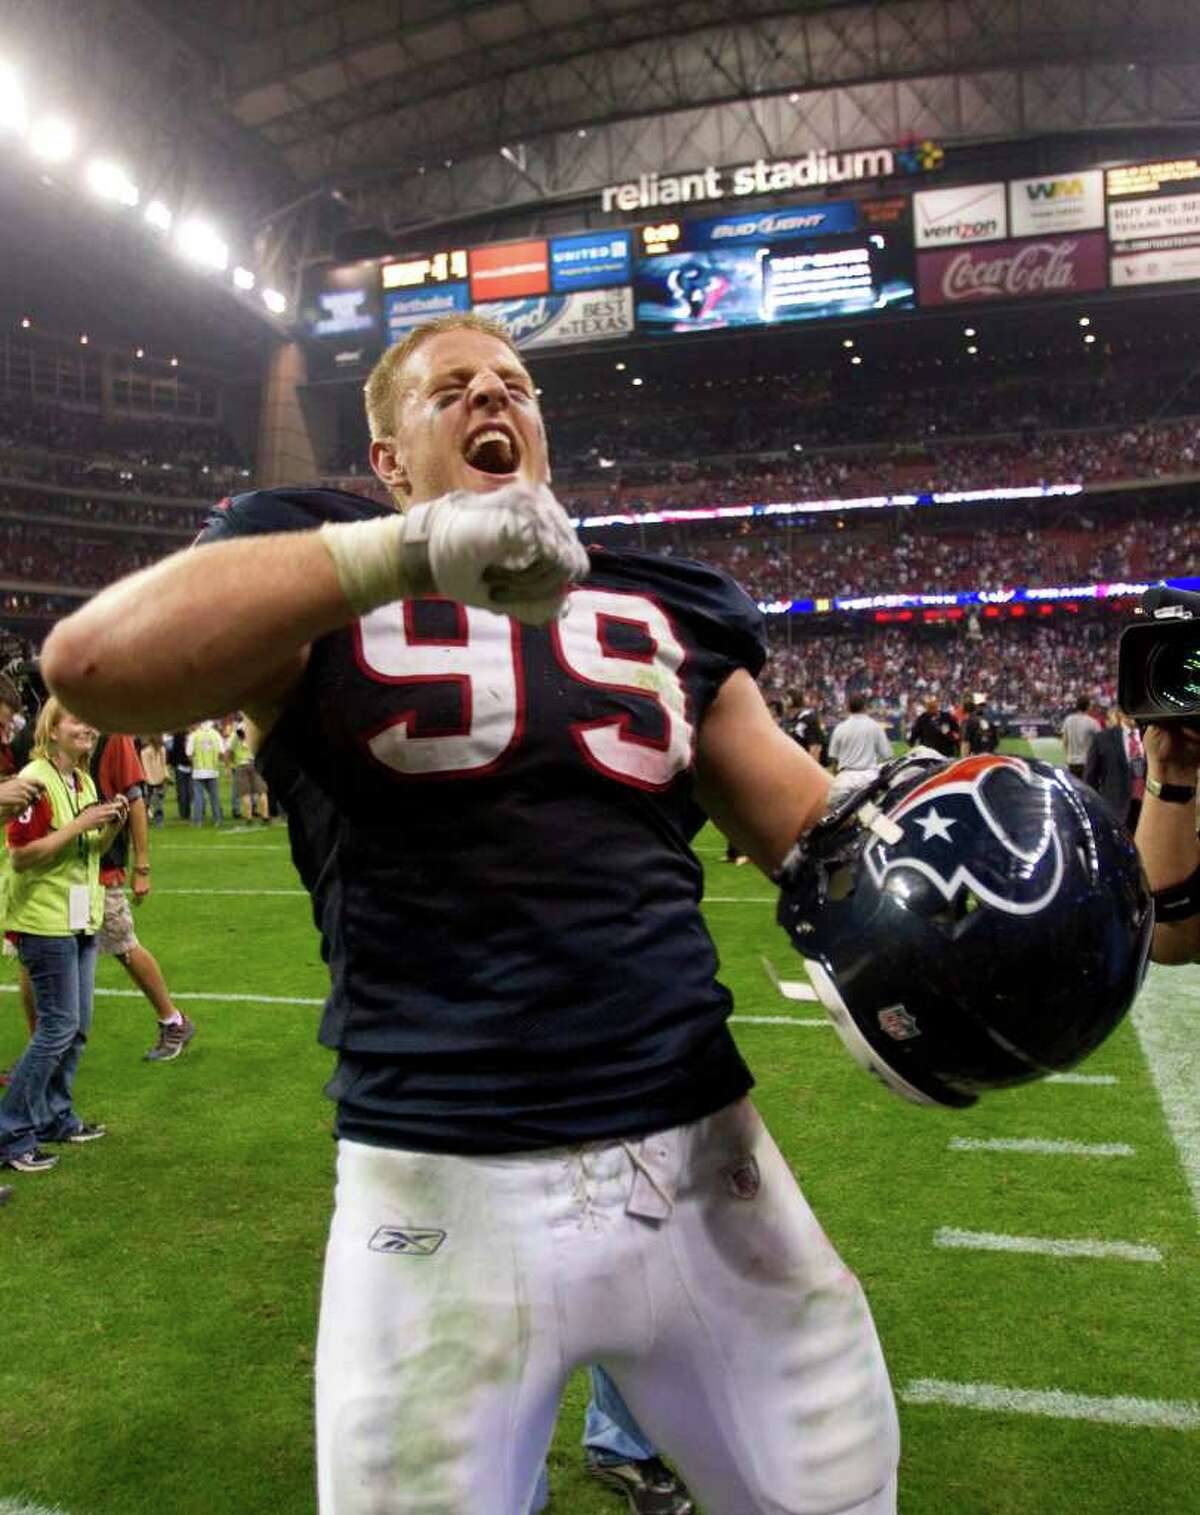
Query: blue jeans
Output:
(609,1432)
(37,1103)
(202,789)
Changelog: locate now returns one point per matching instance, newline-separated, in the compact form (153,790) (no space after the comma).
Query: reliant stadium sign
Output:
(810,171)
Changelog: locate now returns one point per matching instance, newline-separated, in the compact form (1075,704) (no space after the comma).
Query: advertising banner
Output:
(1150,225)
(752,229)
(339,301)
(806,279)
(556,320)
(967,213)
(1056,203)
(1013,270)
(1169,266)
(596,261)
(1149,178)
(514,268)
(403,309)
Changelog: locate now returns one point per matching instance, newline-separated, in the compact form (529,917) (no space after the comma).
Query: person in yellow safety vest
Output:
(248,787)
(54,906)
(206,748)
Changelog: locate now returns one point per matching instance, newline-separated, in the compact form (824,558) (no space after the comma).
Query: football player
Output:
(495,749)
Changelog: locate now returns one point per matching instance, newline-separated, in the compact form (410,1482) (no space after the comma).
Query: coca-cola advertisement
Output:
(1023,270)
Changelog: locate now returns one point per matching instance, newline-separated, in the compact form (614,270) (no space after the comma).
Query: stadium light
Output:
(848,342)
(111,182)
(274,301)
(243,278)
(1085,320)
(83,339)
(174,362)
(198,242)
(637,382)
(139,352)
(1090,337)
(972,349)
(52,139)
(13,112)
(26,323)
(620,367)
(158,216)
(856,359)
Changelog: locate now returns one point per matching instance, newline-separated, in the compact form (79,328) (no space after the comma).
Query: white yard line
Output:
(1119,1410)
(1082,1078)
(1165,1017)
(779,1020)
(1042,1148)
(302,892)
(1046,1246)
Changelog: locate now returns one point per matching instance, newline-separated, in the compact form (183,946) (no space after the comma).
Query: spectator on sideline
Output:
(206,750)
(153,754)
(10,708)
(179,759)
(935,728)
(55,908)
(1078,730)
(118,770)
(248,789)
(979,734)
(1168,842)
(1116,767)
(808,730)
(858,745)
(16,795)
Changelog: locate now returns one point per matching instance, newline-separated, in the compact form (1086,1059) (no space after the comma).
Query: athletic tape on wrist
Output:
(381,560)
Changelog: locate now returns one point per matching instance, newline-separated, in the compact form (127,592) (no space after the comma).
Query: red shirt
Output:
(120,770)
(33,823)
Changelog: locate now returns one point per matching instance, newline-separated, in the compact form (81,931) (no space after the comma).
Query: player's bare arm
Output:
(754,782)
(1166,835)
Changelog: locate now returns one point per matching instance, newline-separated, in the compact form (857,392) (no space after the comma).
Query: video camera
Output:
(1158,660)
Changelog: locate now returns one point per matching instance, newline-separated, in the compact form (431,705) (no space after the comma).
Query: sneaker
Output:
(86,1134)
(33,1161)
(172,1039)
(649,1486)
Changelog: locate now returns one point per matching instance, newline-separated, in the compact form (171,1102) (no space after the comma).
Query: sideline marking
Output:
(1165,1019)
(780,1020)
(302,892)
(1044,1148)
(1119,1410)
(1045,1246)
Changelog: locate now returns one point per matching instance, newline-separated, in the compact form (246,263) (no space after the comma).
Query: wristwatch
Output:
(1172,794)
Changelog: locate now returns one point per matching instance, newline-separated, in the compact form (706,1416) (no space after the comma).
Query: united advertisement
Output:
(595,261)
(559,320)
(1025,270)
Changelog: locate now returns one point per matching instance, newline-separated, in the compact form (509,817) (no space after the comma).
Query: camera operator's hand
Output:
(1172,753)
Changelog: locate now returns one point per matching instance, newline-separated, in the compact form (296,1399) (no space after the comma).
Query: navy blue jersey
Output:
(494,821)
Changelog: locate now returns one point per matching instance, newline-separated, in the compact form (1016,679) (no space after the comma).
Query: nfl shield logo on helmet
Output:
(898,1024)
(1012,862)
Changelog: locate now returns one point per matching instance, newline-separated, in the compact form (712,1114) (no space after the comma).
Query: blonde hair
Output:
(48,721)
(379,392)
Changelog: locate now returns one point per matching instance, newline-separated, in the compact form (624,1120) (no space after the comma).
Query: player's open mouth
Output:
(493,450)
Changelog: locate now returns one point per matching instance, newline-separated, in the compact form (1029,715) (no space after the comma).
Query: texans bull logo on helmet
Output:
(1017,873)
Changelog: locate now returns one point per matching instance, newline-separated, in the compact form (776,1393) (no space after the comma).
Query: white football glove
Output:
(513,550)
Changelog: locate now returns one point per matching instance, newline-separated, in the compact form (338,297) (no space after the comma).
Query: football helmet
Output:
(970,923)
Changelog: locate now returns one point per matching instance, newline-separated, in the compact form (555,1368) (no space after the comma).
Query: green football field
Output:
(1032,1263)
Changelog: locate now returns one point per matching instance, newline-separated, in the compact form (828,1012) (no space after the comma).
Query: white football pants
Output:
(460,1292)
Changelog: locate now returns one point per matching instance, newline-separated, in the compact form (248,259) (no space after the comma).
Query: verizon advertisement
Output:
(1013,270)
(951,217)
(513,269)
(1059,203)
